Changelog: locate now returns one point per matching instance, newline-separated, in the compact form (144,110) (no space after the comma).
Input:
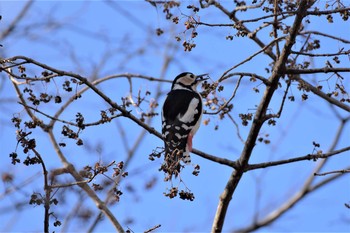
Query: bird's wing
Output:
(180,110)
(178,103)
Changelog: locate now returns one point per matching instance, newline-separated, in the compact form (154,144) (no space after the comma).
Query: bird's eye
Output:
(191,75)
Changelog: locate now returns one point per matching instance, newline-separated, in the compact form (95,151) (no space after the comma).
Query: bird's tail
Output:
(174,154)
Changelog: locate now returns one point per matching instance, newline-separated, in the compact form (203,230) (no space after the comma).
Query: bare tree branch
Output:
(69,122)
(92,86)
(70,168)
(341,52)
(321,94)
(229,100)
(327,12)
(312,157)
(47,190)
(325,35)
(278,114)
(275,38)
(333,172)
(233,17)
(265,48)
(258,122)
(153,228)
(316,70)
(246,7)
(252,75)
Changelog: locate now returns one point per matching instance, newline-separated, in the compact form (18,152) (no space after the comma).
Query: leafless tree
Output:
(296,70)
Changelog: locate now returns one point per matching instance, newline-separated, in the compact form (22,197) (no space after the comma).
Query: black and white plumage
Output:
(181,117)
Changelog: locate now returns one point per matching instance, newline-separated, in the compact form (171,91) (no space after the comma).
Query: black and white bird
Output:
(181,117)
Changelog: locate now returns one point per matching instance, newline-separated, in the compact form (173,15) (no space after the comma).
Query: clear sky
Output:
(77,36)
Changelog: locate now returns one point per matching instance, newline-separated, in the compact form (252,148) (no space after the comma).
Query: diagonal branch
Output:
(325,35)
(321,94)
(123,112)
(213,158)
(333,172)
(297,159)
(93,87)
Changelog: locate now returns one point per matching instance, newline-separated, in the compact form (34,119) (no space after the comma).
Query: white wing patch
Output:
(190,112)
(185,127)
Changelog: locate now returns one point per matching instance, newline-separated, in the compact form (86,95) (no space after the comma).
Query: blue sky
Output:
(134,48)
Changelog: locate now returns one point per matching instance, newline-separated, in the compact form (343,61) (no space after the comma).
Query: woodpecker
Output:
(181,117)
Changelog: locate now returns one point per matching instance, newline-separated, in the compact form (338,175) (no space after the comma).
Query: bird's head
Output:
(188,81)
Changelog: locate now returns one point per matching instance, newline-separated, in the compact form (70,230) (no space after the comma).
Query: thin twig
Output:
(322,54)
(317,70)
(268,116)
(327,12)
(153,228)
(275,28)
(92,194)
(57,172)
(265,48)
(246,7)
(321,94)
(24,103)
(47,190)
(310,157)
(252,75)
(228,101)
(333,172)
(236,126)
(244,28)
(69,122)
(325,35)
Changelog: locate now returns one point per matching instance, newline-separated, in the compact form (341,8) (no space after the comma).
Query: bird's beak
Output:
(201,77)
